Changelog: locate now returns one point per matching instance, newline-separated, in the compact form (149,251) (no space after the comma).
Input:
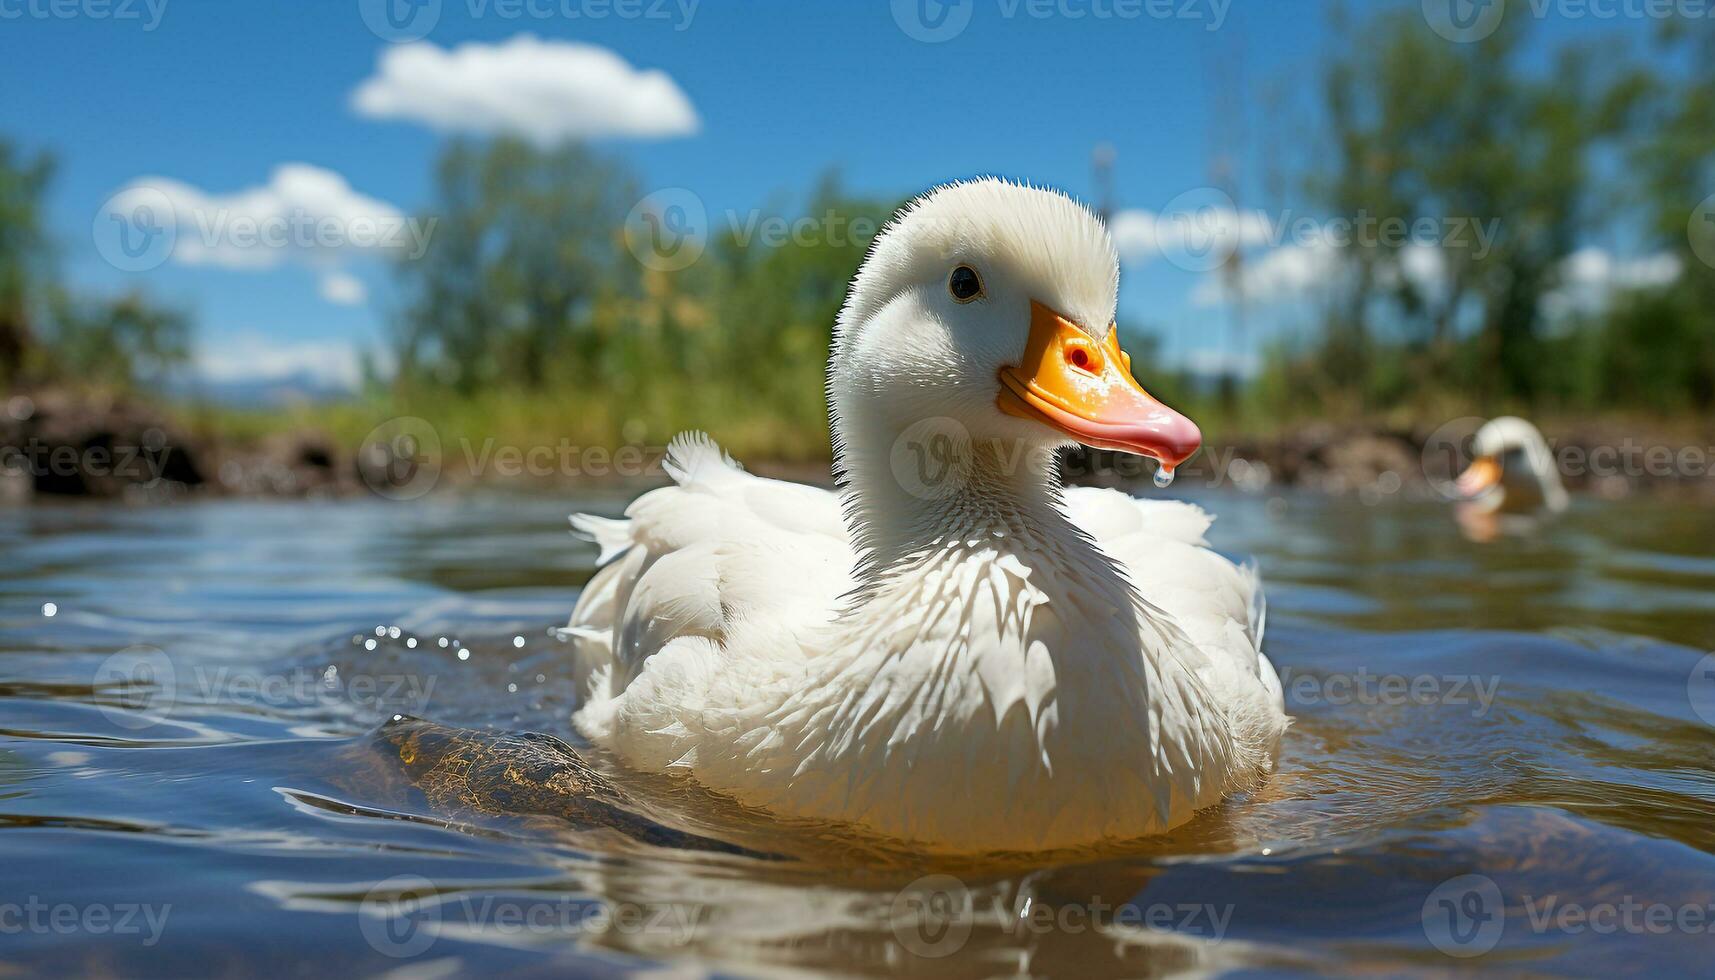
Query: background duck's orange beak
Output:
(1482,474)
(1084,388)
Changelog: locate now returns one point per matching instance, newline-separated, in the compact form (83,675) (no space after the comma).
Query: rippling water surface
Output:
(1503,758)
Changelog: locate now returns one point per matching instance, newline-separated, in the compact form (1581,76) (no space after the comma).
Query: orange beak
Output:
(1483,473)
(1070,382)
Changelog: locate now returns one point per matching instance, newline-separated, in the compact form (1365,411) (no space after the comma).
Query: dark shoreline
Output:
(100,447)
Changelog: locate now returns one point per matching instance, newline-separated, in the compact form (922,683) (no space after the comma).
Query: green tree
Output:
(47,333)
(114,341)
(1458,133)
(521,250)
(25,263)
(1660,346)
(779,286)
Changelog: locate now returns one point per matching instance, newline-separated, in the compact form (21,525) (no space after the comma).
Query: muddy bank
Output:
(57,444)
(60,444)
(1376,462)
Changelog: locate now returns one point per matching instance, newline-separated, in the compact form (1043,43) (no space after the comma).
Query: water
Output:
(1503,759)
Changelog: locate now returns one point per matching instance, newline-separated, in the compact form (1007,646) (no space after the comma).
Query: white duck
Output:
(1513,472)
(955,651)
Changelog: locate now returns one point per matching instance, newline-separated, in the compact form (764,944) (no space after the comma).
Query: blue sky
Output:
(215,95)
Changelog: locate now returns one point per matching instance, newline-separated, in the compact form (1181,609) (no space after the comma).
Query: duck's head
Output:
(991,304)
(1512,469)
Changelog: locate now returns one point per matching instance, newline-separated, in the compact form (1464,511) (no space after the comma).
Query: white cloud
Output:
(1211,361)
(343,289)
(1292,272)
(545,91)
(1141,235)
(251,356)
(304,213)
(1592,266)
(1282,275)
(1425,266)
(1591,276)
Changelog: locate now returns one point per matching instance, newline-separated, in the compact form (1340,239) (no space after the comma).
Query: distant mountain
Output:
(259,392)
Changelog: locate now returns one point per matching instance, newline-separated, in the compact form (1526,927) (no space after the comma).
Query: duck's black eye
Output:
(965,284)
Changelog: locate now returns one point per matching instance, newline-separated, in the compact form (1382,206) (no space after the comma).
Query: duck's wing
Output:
(690,559)
(1161,543)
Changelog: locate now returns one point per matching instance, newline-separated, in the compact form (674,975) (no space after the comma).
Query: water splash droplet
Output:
(1164,476)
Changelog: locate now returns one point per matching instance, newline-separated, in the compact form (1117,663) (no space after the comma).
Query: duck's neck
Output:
(930,490)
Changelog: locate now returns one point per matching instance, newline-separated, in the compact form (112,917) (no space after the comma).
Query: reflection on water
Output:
(1503,757)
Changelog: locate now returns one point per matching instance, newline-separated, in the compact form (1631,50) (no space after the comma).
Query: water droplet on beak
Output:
(1164,476)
